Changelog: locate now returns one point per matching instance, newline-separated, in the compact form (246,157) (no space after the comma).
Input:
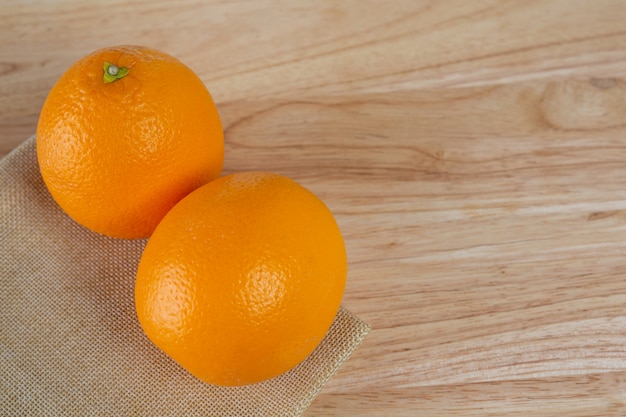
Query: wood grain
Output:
(473,153)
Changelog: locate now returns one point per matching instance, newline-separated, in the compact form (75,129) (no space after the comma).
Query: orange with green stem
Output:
(123,135)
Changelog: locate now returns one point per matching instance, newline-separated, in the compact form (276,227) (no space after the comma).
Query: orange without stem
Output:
(242,278)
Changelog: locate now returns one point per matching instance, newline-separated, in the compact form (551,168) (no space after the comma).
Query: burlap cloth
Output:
(70,343)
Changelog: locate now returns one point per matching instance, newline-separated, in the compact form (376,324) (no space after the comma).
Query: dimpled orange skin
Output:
(242,279)
(117,156)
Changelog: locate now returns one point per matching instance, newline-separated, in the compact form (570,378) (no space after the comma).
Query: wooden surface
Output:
(474,153)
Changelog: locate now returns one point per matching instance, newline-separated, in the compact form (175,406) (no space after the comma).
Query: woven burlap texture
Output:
(70,344)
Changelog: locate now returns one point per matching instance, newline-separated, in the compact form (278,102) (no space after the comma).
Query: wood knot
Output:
(603,83)
(598,215)
(7,68)
(599,103)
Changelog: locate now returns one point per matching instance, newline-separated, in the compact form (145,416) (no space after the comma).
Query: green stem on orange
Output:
(113,73)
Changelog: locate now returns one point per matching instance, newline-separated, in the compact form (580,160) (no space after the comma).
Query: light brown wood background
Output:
(474,153)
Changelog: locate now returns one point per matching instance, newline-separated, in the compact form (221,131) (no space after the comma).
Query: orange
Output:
(123,135)
(242,279)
